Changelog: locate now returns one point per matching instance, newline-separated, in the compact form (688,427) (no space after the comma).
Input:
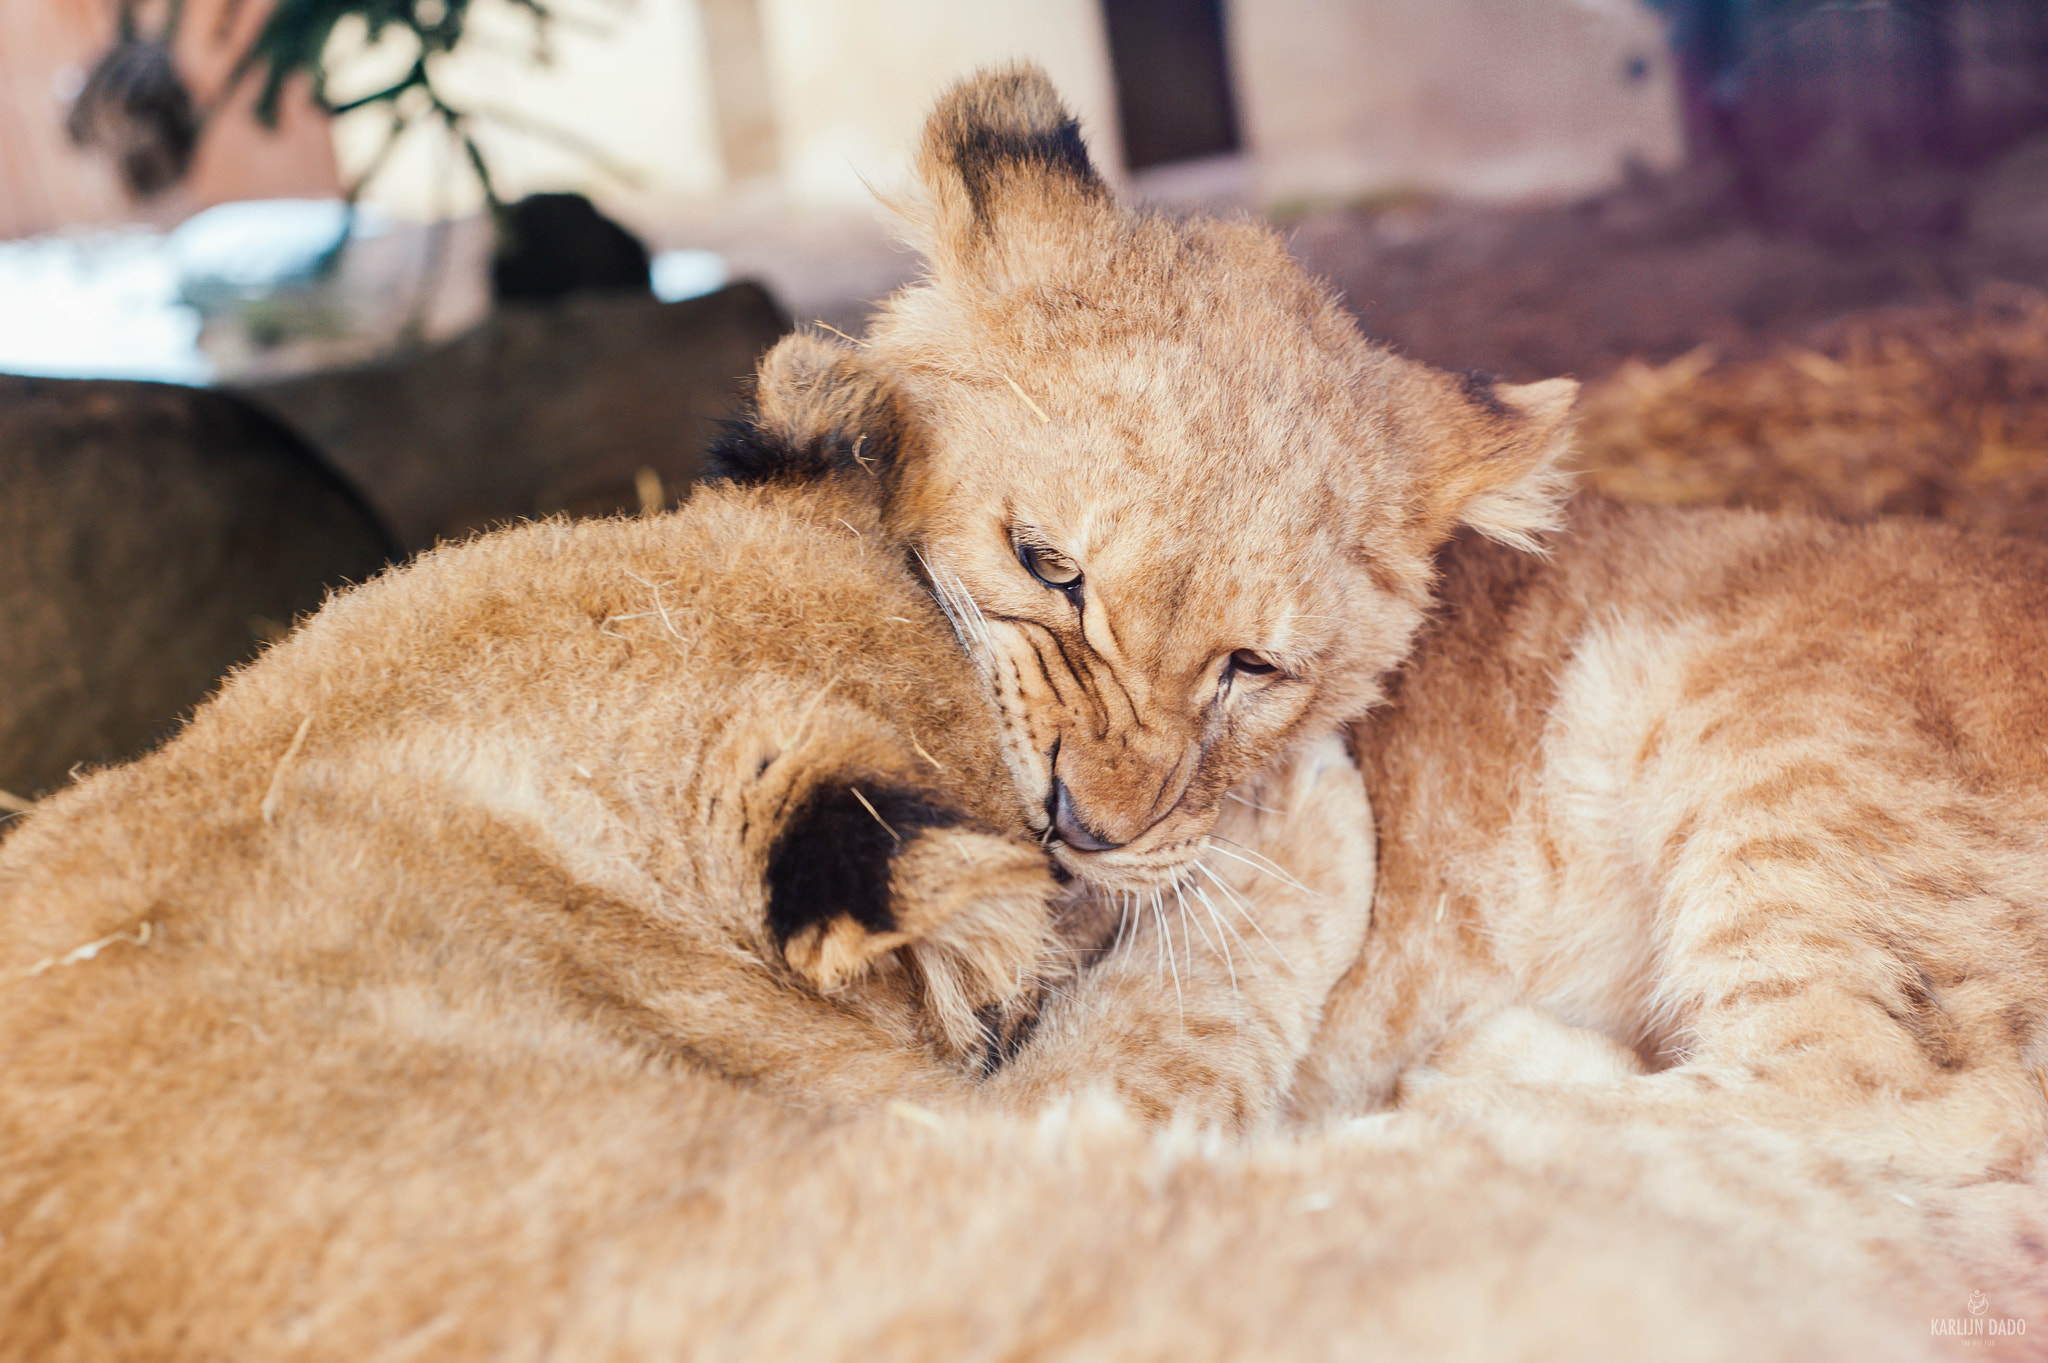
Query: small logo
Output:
(1979,1328)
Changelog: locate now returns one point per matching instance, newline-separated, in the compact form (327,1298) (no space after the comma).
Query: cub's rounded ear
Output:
(1006,178)
(819,410)
(1494,454)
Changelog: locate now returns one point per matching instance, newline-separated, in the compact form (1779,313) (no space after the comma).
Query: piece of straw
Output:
(270,796)
(1042,417)
(138,936)
(647,486)
(871,809)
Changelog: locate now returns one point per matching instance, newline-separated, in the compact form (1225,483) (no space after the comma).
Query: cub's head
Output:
(1180,510)
(898,880)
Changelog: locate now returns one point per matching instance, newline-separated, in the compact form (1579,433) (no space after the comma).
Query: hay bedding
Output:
(1938,410)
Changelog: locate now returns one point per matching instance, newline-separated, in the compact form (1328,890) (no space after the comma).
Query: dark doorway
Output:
(1172,79)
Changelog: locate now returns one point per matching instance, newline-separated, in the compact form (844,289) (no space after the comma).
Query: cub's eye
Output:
(1054,569)
(1243,663)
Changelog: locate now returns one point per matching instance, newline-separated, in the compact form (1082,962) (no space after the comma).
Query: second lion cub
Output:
(1763,802)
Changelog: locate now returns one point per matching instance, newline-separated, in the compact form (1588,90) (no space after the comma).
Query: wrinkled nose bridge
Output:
(1105,794)
(1072,829)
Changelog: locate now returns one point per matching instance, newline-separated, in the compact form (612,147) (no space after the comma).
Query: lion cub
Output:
(528,883)
(1763,802)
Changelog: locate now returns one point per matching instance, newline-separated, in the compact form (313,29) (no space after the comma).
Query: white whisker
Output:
(971,618)
(1224,932)
(1181,899)
(1231,896)
(1151,900)
(1257,862)
(1235,901)
(951,595)
(1219,946)
(1253,804)
(973,609)
(1166,943)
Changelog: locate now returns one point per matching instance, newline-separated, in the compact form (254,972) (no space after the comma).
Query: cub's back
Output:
(1695,759)
(1924,624)
(483,784)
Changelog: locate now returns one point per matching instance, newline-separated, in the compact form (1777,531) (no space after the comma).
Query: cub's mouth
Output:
(1168,852)
(1091,846)
(1120,869)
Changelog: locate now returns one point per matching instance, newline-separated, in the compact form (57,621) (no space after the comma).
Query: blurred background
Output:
(415,267)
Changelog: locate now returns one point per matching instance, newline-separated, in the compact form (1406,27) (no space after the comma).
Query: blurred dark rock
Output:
(151,537)
(553,245)
(537,410)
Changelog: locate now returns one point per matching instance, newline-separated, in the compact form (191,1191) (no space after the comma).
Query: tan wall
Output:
(43,182)
(801,101)
(854,78)
(1496,98)
(808,102)
(46,183)
(632,87)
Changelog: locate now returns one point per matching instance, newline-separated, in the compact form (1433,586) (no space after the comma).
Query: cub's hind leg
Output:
(1856,939)
(1844,900)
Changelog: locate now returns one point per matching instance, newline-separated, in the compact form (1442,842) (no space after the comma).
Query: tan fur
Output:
(1763,800)
(452,913)
(474,1049)
(418,1002)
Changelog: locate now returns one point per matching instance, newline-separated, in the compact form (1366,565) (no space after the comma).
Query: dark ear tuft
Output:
(1001,159)
(819,410)
(1009,123)
(833,857)
(745,453)
(748,451)
(1478,386)
(864,870)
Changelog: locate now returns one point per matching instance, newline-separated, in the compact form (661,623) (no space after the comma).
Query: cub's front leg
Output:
(1215,985)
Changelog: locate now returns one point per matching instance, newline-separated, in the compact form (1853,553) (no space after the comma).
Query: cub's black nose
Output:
(1066,821)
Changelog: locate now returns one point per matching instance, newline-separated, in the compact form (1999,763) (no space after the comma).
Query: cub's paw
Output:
(876,888)
(1516,1047)
(1296,845)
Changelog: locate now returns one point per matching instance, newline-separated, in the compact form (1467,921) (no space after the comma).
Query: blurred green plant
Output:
(136,105)
(296,37)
